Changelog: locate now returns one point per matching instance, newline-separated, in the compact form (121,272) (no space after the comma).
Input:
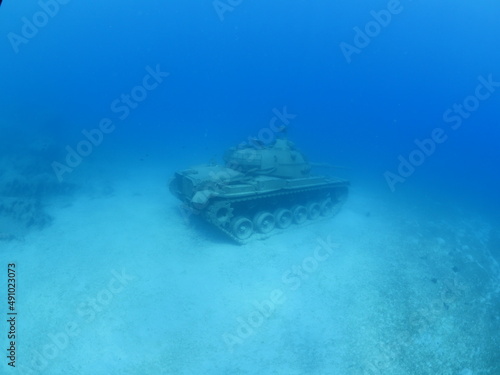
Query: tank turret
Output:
(280,160)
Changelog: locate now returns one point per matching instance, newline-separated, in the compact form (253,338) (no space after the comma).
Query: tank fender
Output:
(201,198)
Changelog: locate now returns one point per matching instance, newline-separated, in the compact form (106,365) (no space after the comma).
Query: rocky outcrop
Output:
(27,184)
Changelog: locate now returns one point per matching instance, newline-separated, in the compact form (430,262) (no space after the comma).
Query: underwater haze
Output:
(105,271)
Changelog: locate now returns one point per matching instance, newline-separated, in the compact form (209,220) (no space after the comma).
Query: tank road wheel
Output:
(220,213)
(264,221)
(283,218)
(241,227)
(299,214)
(327,207)
(313,210)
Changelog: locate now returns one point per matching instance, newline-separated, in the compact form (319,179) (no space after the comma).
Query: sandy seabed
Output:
(122,283)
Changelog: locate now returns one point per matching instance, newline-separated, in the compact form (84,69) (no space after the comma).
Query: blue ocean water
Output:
(362,104)
(401,96)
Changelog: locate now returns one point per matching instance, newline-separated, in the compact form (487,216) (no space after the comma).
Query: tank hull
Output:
(257,207)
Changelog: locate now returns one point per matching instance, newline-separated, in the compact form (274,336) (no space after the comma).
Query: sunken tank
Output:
(260,191)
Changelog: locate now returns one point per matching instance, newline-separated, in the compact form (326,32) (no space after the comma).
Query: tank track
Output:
(332,188)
